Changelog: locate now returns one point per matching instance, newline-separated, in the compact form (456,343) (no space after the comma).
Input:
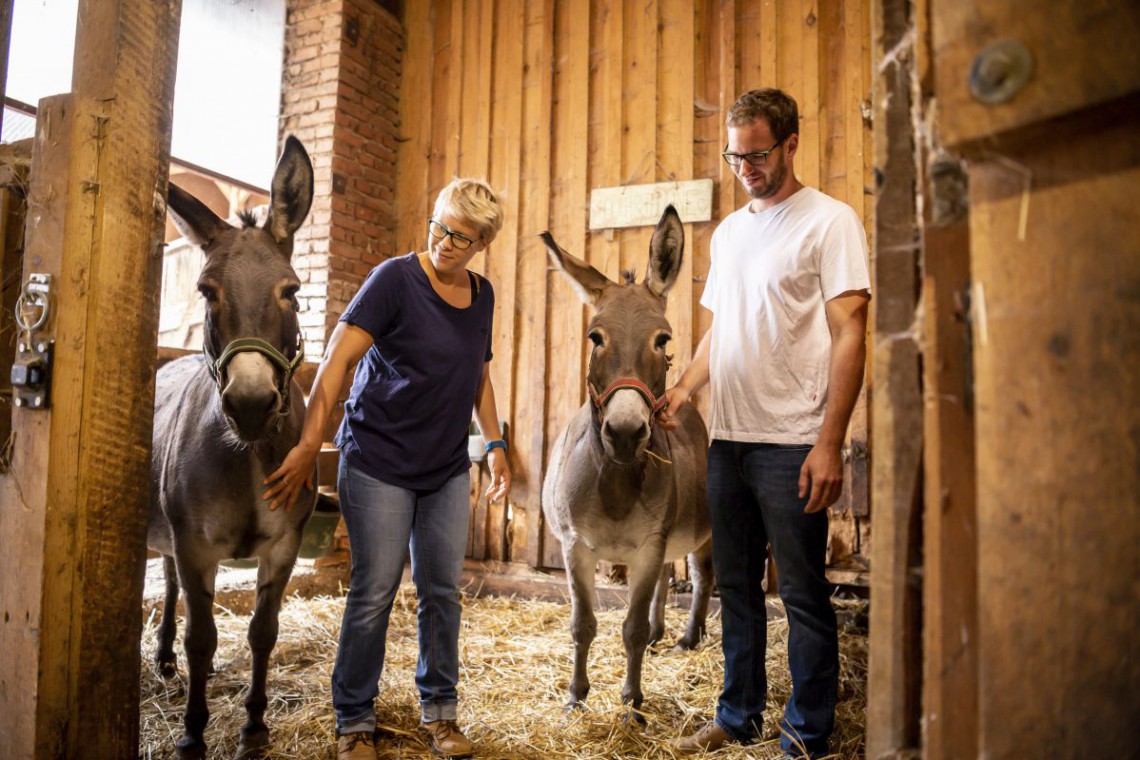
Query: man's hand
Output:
(823,473)
(675,398)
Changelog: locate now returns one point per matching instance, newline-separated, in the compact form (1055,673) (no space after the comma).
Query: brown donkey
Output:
(619,488)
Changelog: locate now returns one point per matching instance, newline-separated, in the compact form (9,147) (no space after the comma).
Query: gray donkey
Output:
(619,488)
(223,420)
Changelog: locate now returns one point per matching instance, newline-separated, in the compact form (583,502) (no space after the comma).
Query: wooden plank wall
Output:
(551,98)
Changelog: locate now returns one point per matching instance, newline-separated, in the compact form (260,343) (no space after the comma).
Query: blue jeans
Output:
(753,502)
(382,520)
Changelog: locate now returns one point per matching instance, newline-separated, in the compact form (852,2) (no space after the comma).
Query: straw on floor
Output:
(515,665)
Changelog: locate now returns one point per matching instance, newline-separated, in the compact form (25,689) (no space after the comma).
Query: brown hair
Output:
(770,104)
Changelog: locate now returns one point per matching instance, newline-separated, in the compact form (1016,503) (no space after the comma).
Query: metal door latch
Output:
(31,371)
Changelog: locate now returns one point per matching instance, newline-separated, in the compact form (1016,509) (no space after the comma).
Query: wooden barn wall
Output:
(549,99)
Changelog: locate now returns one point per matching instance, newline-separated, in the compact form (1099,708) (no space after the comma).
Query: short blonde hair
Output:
(473,201)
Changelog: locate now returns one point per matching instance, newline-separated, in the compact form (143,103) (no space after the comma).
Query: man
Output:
(788,286)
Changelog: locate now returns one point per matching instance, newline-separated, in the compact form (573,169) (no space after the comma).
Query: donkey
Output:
(619,488)
(223,420)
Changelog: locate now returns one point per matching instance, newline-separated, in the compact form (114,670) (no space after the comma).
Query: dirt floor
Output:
(515,666)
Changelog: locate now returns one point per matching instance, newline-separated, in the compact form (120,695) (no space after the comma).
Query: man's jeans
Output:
(382,519)
(753,501)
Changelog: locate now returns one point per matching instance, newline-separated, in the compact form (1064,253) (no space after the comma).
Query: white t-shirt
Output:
(770,275)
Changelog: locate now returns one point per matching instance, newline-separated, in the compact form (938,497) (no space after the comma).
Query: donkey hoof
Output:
(574,706)
(252,746)
(168,668)
(684,644)
(190,748)
(634,716)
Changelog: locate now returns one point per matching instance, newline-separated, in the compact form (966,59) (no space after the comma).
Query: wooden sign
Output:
(642,205)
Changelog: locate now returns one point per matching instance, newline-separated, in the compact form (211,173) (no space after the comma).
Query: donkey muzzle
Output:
(625,427)
(250,399)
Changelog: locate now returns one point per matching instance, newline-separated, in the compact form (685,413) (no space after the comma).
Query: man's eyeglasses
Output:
(755,158)
(439,231)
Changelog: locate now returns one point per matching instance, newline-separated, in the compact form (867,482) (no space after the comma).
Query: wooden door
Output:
(1030,608)
(73,503)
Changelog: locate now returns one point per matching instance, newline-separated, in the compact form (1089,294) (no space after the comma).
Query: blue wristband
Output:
(499,444)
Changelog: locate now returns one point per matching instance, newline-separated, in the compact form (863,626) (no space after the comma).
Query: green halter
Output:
(266,349)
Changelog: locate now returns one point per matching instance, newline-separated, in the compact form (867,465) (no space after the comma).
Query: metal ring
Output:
(36,300)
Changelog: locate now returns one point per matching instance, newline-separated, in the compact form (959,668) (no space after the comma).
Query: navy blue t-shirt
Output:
(405,421)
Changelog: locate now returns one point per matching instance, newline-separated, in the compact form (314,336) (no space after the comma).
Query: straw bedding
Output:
(515,665)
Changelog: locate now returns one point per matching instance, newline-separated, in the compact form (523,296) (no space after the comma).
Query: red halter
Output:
(624,383)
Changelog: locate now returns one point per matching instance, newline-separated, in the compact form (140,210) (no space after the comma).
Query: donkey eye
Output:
(662,340)
(208,293)
(289,292)
(596,337)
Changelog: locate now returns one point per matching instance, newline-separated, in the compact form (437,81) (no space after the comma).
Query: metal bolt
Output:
(41,347)
(19,401)
(37,401)
(23,347)
(1000,71)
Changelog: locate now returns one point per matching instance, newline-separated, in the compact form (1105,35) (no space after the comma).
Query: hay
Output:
(515,665)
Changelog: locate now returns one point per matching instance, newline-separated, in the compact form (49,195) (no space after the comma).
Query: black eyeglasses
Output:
(458,239)
(755,158)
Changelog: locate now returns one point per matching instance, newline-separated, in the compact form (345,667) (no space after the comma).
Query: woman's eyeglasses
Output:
(755,158)
(439,231)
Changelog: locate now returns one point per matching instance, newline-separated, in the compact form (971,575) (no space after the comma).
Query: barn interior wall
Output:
(339,97)
(550,99)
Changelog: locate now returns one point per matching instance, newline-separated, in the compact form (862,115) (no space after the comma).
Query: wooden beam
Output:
(104,154)
(950,603)
(896,416)
(531,377)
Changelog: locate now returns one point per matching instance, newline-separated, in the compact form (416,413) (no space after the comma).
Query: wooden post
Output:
(74,505)
(896,413)
(950,541)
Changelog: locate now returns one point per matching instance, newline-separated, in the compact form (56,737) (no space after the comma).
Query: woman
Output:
(420,326)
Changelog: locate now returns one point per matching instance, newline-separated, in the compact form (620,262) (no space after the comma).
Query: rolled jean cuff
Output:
(736,735)
(433,711)
(365,724)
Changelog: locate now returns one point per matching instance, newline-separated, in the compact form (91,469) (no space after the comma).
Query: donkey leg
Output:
(273,574)
(164,657)
(701,569)
(657,608)
(201,641)
(580,566)
(644,573)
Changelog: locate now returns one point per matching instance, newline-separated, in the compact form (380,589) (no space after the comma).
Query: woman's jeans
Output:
(382,520)
(754,502)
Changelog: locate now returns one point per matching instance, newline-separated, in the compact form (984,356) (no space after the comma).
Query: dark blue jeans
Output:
(753,502)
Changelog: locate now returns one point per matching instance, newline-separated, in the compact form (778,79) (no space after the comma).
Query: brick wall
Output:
(340,97)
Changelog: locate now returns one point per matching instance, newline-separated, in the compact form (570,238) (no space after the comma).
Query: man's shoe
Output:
(446,740)
(356,746)
(709,739)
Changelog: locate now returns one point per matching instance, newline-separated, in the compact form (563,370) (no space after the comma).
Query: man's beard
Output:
(772,186)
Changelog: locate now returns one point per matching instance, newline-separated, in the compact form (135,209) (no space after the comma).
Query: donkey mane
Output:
(247,218)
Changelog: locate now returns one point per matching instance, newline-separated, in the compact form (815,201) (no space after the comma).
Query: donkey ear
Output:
(291,193)
(589,282)
(193,219)
(666,251)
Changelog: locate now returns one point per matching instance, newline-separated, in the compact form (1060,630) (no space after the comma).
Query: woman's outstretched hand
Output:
(295,472)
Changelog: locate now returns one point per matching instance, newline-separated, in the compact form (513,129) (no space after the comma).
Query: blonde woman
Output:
(421,327)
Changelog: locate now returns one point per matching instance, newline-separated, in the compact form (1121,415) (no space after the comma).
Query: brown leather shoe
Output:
(356,746)
(709,739)
(446,740)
